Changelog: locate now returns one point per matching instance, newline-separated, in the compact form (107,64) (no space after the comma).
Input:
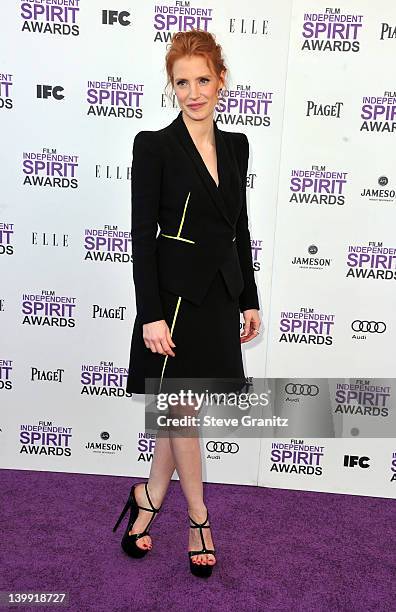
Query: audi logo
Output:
(222,447)
(374,327)
(295,389)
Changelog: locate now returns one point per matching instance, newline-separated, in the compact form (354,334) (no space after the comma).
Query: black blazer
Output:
(202,227)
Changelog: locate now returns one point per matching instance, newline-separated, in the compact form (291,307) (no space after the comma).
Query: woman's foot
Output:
(195,542)
(144,516)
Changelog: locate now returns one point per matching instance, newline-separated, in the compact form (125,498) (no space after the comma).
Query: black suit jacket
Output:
(203,227)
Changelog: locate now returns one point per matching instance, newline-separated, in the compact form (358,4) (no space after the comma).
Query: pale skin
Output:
(194,83)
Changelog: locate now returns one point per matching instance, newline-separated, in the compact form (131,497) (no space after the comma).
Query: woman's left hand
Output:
(251,326)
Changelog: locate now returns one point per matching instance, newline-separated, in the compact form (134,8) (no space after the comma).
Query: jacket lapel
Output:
(216,193)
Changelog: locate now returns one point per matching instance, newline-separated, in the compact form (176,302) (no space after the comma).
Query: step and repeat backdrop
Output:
(312,85)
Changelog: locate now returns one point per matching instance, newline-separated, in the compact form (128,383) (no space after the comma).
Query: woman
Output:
(192,280)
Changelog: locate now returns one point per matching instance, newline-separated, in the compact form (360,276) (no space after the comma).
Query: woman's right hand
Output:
(157,337)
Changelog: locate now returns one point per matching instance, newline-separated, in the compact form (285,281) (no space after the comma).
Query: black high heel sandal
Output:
(203,571)
(128,542)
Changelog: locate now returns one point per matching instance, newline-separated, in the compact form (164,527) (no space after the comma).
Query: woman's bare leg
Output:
(187,456)
(161,471)
(184,454)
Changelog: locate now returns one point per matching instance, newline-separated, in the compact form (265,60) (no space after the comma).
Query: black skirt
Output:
(208,352)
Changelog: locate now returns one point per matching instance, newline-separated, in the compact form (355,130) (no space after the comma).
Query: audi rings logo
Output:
(222,447)
(295,389)
(373,327)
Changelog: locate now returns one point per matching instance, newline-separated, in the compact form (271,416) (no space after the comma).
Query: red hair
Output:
(194,42)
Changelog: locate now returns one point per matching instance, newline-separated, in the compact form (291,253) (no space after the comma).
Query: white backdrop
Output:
(311,85)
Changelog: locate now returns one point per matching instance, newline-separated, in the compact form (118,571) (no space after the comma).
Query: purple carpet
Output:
(277,550)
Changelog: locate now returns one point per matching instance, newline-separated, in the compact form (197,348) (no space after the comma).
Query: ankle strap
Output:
(199,524)
(148,496)
(152,509)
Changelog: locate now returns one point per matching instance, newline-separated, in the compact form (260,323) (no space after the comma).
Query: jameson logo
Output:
(58,17)
(104,379)
(180,17)
(309,262)
(306,327)
(244,106)
(374,261)
(114,98)
(331,31)
(380,194)
(318,185)
(48,309)
(50,169)
(107,244)
(363,398)
(45,438)
(379,113)
(104,447)
(297,457)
